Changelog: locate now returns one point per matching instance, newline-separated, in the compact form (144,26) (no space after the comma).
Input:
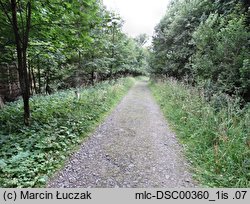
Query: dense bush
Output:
(205,41)
(215,134)
(222,53)
(60,121)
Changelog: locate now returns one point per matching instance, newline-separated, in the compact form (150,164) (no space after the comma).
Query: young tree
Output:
(18,14)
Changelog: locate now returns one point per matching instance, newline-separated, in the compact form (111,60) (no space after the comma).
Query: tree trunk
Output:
(112,52)
(47,87)
(21,48)
(26,91)
(34,80)
(93,78)
(39,78)
(30,79)
(9,80)
(1,102)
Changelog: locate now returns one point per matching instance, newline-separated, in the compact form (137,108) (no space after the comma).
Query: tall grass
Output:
(29,155)
(215,134)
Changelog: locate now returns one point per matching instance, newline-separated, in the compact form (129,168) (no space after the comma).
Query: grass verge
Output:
(29,155)
(216,140)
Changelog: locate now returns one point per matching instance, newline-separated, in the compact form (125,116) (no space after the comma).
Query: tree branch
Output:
(6,12)
(28,24)
(21,16)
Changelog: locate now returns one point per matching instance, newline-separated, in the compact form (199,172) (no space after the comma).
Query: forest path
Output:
(134,147)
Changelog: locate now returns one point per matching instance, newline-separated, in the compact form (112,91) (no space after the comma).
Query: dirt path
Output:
(132,148)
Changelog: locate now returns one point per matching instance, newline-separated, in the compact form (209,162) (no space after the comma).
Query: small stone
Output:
(112,159)
(131,165)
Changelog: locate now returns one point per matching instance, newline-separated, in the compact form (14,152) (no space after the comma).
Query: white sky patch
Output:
(141,16)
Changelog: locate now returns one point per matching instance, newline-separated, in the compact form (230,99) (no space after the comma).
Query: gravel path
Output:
(134,147)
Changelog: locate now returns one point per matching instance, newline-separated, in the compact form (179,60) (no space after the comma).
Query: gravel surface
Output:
(134,147)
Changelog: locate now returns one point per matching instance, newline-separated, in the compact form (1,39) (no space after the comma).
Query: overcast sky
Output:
(141,16)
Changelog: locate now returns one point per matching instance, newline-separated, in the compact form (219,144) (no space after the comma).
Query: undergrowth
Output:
(215,135)
(30,155)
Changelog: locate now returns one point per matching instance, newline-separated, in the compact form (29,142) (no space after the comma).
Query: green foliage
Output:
(29,155)
(215,135)
(69,43)
(172,43)
(112,53)
(206,44)
(221,52)
(205,41)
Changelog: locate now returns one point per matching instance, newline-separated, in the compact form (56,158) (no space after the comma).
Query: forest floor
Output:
(134,147)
